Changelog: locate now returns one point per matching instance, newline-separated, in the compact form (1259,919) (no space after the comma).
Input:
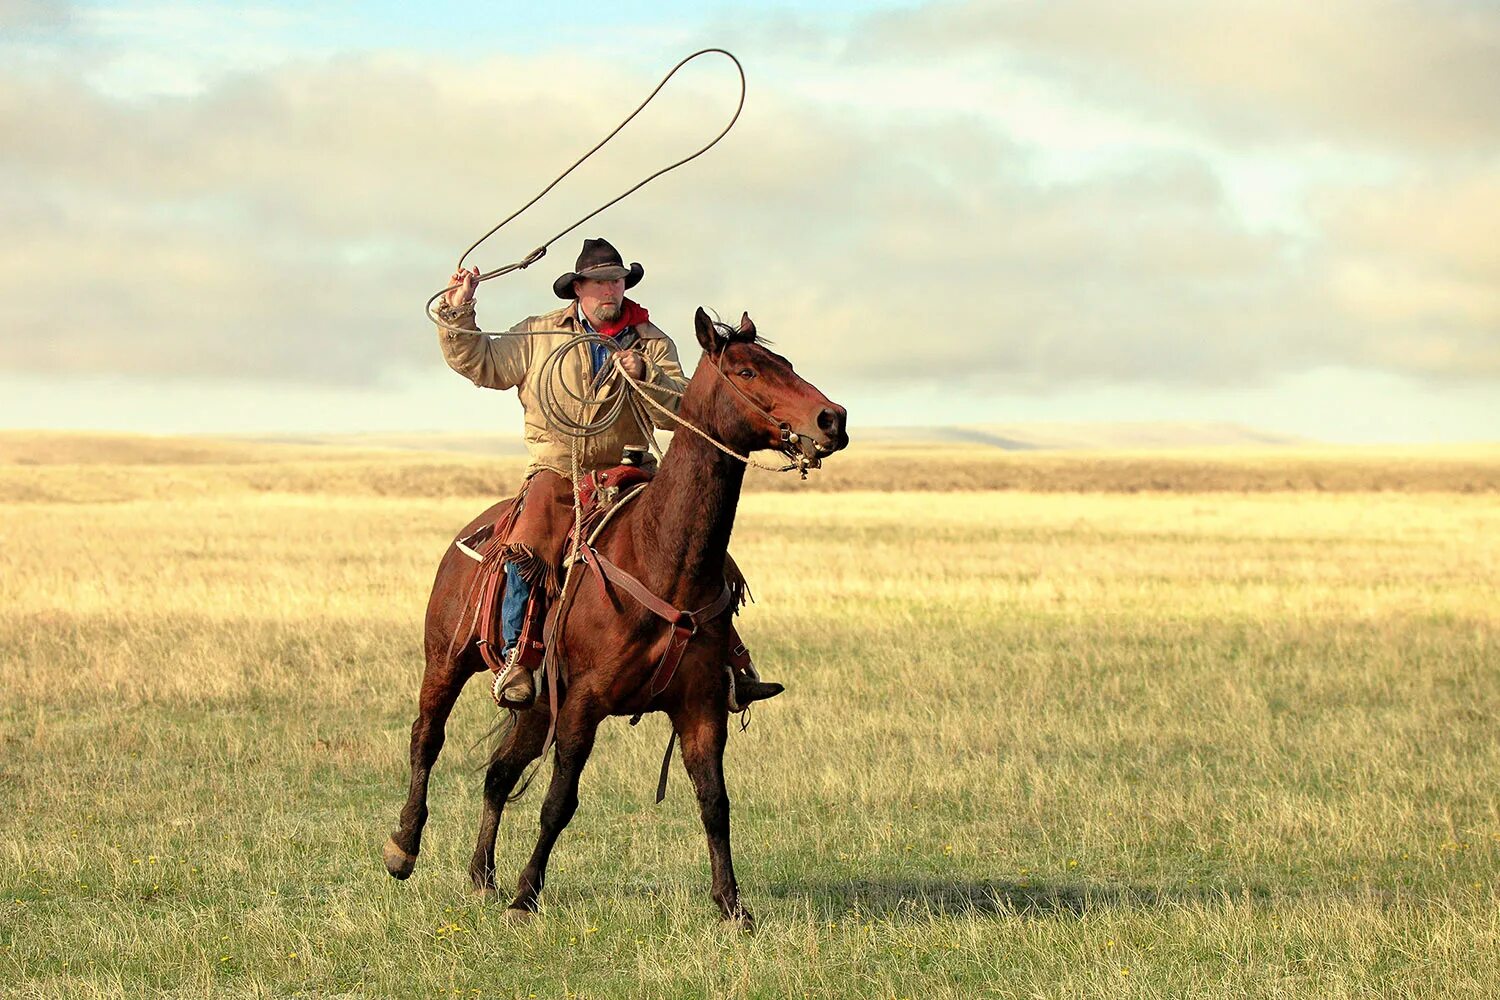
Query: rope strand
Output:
(684,422)
(541,251)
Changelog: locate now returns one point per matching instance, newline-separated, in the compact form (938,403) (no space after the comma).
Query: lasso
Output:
(565,419)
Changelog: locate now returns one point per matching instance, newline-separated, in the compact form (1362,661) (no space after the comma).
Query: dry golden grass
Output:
(1035,744)
(98,468)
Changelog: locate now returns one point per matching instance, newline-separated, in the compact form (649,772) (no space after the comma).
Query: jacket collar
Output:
(569,316)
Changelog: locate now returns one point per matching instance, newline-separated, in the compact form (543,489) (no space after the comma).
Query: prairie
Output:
(1205,724)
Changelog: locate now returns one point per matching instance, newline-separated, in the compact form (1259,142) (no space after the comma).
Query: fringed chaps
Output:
(538,534)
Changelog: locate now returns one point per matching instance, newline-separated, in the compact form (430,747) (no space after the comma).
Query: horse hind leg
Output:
(577,726)
(442,681)
(517,749)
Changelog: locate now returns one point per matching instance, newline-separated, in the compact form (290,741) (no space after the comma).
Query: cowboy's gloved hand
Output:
(633,364)
(466,281)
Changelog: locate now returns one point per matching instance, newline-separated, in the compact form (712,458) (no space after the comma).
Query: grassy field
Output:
(101,468)
(1140,739)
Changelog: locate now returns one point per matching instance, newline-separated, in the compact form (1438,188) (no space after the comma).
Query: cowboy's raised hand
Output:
(465,282)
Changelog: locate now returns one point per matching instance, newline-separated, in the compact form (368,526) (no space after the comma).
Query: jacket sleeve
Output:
(488,361)
(665,373)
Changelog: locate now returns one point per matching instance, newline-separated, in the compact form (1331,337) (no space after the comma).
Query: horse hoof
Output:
(516,915)
(398,862)
(740,921)
(484,893)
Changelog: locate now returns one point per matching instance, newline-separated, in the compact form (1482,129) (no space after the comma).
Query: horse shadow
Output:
(919,897)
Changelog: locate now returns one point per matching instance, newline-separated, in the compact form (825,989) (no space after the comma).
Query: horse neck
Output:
(687,514)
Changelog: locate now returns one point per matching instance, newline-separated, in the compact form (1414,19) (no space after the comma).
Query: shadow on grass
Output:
(917,897)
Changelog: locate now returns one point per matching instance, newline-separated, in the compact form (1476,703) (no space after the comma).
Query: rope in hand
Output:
(555,395)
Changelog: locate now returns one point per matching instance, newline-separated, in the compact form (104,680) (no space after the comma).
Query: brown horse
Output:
(674,539)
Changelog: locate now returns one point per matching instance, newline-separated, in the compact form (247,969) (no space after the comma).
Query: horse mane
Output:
(732,334)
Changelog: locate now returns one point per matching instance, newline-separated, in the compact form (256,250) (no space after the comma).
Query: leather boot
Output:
(745,685)
(515,686)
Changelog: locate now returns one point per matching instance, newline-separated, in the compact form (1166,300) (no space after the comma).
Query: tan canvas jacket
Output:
(500,362)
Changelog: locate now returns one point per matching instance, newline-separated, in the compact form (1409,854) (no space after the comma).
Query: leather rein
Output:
(685,624)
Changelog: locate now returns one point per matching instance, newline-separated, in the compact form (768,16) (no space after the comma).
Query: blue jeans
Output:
(513,608)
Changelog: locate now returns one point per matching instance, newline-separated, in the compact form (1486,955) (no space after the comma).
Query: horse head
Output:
(753,400)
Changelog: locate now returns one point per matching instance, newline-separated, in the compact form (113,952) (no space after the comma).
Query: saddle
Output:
(598,493)
(603,488)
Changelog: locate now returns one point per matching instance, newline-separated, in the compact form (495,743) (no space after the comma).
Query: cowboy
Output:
(596,304)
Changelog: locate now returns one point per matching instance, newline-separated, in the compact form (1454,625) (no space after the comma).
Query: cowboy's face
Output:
(601,301)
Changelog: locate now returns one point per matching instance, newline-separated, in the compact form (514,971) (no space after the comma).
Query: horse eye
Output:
(746,373)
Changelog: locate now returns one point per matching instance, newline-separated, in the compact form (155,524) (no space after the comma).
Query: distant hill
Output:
(94,466)
(1005,437)
(447,441)
(1081,436)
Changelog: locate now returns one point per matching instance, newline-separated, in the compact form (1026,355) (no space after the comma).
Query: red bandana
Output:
(631,314)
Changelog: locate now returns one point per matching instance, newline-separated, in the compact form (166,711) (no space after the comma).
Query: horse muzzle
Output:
(828,437)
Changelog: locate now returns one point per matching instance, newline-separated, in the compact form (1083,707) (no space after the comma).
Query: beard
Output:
(608,312)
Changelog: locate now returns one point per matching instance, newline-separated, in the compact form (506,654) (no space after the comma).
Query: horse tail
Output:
(503,730)
(500,731)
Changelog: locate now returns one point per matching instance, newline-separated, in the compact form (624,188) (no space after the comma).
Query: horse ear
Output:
(708,335)
(747,328)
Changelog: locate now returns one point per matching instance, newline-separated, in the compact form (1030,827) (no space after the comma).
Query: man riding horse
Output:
(535,542)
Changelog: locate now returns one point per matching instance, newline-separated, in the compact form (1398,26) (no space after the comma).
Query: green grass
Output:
(1034,745)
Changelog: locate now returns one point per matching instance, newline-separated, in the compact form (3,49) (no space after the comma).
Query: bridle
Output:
(791,441)
(800,460)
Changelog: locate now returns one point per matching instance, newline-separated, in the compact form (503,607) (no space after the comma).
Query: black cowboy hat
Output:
(600,261)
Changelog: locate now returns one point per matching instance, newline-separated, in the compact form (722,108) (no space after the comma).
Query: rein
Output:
(800,462)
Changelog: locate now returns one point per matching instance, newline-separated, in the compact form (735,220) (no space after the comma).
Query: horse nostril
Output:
(830,422)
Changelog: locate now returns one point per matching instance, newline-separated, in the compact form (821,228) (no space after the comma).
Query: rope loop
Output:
(541,251)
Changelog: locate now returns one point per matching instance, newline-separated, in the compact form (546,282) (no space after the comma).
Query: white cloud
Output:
(24,16)
(1393,73)
(1417,269)
(286,224)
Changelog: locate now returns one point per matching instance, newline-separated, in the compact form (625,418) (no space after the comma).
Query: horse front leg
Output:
(577,725)
(521,746)
(442,681)
(704,730)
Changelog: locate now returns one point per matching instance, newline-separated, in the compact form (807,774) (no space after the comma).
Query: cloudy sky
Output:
(1285,214)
